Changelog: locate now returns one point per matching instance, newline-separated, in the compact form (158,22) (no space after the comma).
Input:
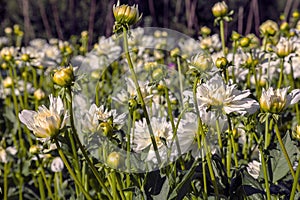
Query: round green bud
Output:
(205,30)
(245,42)
(295,14)
(106,128)
(285,26)
(25,57)
(235,36)
(115,160)
(158,74)
(220,9)
(221,63)
(64,77)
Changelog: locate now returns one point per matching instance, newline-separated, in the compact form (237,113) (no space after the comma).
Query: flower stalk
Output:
(77,182)
(94,170)
(139,92)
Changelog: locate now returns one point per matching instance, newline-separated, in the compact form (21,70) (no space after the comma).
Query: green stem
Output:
(284,150)
(267,134)
(45,180)
(77,182)
(281,73)
(174,128)
(25,87)
(222,36)
(119,185)
(234,150)
(204,174)
(5,187)
(296,181)
(131,125)
(264,167)
(140,96)
(94,170)
(228,158)
(180,78)
(233,58)
(41,188)
(200,132)
(265,39)
(285,153)
(21,181)
(112,181)
(220,141)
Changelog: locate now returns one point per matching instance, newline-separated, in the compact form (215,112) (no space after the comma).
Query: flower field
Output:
(151,113)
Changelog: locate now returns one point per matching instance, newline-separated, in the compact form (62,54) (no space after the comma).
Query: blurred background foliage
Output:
(64,18)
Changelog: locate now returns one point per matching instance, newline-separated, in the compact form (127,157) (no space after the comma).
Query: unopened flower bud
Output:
(221,63)
(115,160)
(268,28)
(132,103)
(284,48)
(96,74)
(126,15)
(34,149)
(202,62)
(235,133)
(4,66)
(220,9)
(296,133)
(205,30)
(295,14)
(245,42)
(84,34)
(8,30)
(106,128)
(64,77)
(25,57)
(150,65)
(7,82)
(235,36)
(157,74)
(175,52)
(285,26)
(161,88)
(39,94)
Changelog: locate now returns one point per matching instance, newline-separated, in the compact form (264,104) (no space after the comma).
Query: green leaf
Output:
(163,192)
(279,164)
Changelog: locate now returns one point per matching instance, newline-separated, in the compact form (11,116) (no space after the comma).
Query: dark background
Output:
(64,18)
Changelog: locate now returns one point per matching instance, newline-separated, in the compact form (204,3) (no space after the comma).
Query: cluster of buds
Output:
(125,16)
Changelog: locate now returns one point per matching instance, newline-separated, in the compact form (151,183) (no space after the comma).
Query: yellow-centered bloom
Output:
(284,48)
(45,123)
(275,101)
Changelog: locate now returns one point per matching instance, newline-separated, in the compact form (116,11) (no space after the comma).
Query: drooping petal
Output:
(26,117)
